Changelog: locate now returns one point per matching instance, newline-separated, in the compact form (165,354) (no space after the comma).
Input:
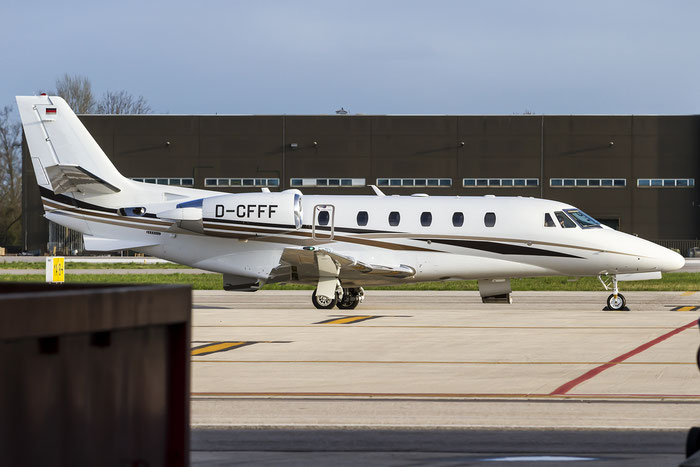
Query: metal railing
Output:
(64,241)
(688,248)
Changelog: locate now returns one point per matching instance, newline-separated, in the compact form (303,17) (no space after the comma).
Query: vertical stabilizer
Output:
(64,155)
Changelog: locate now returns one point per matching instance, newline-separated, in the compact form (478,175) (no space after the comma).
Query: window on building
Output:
(414,182)
(458,219)
(246,182)
(167,181)
(362,218)
(548,222)
(588,182)
(665,182)
(426,219)
(327,182)
(500,182)
(490,219)
(394,218)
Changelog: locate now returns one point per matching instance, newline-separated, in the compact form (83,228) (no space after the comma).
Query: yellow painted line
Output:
(347,320)
(687,294)
(216,347)
(398,362)
(685,308)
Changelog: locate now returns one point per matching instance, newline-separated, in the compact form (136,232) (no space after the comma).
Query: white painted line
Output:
(538,459)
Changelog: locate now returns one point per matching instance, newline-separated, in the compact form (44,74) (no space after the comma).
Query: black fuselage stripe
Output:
(500,248)
(46,193)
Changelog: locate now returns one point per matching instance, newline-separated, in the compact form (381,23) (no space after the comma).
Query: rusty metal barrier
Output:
(94,374)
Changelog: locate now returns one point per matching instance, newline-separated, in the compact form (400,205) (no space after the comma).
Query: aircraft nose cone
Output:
(671,261)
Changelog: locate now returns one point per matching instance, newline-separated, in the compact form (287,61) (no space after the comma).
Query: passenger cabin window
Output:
(490,219)
(458,219)
(583,219)
(323,217)
(362,218)
(394,218)
(548,222)
(564,220)
(426,219)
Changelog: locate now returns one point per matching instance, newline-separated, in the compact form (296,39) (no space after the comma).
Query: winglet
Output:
(377,191)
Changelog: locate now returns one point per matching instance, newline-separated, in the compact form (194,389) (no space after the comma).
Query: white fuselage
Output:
(517,245)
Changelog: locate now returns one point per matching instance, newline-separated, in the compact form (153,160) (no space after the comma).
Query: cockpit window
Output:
(564,220)
(582,219)
(548,222)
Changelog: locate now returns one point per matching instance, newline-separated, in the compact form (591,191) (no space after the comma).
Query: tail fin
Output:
(65,156)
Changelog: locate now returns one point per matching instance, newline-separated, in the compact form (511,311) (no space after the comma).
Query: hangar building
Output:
(634,173)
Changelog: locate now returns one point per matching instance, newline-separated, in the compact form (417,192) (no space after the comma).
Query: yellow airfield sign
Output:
(55,269)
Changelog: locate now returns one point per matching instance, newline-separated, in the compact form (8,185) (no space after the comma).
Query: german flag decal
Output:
(50,110)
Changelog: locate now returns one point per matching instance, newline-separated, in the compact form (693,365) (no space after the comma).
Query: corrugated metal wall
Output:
(454,147)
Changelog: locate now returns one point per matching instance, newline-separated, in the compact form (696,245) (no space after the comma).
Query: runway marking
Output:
(211,347)
(486,396)
(398,362)
(565,388)
(348,320)
(285,326)
(685,308)
(687,294)
(537,459)
(215,347)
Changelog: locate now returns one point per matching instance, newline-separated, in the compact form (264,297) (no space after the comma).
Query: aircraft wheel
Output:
(321,302)
(616,303)
(692,443)
(349,300)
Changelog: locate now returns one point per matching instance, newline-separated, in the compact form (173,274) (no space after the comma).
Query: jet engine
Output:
(241,212)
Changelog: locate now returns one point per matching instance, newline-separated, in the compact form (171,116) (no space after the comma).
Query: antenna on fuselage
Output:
(377,191)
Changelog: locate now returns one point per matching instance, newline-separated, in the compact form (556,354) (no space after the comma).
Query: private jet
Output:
(337,243)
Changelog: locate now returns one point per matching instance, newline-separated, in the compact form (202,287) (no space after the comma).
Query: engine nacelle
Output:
(278,209)
(237,215)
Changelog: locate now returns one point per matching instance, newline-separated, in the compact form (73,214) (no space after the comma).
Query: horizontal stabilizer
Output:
(72,178)
(113,244)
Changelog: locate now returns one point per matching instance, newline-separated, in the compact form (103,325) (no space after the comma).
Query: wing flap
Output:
(314,261)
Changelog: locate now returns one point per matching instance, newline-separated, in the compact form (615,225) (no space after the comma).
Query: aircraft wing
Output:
(310,262)
(113,244)
(71,178)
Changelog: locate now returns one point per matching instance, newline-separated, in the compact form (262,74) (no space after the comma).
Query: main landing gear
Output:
(616,301)
(344,299)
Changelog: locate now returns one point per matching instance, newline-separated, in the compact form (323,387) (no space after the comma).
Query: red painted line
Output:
(565,388)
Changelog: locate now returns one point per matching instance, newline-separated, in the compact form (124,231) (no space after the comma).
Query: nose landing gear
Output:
(616,301)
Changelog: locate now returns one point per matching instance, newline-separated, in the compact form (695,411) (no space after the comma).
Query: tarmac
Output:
(439,377)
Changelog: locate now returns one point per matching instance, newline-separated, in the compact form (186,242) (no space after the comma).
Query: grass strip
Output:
(82,265)
(676,282)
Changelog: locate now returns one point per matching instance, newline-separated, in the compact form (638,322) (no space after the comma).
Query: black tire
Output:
(348,302)
(692,442)
(322,305)
(616,304)
(697,358)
